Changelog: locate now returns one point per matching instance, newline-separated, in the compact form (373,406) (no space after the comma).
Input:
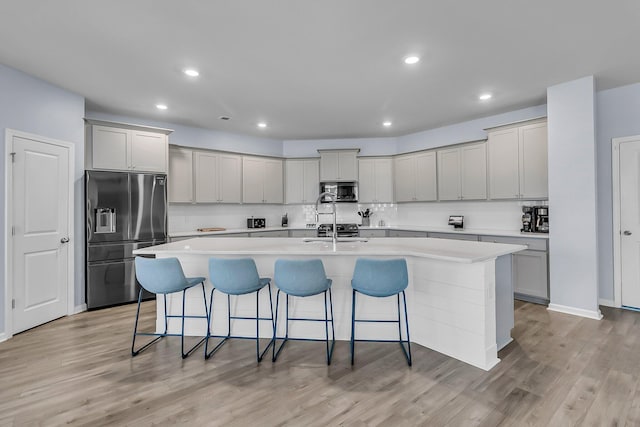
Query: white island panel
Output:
(451,295)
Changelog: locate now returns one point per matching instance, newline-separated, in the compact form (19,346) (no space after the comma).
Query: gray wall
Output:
(203,138)
(573,251)
(465,131)
(31,105)
(617,115)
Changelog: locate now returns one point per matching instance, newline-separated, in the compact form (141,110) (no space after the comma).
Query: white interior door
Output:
(40,217)
(630,223)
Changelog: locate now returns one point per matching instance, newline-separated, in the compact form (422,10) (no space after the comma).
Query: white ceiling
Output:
(319,68)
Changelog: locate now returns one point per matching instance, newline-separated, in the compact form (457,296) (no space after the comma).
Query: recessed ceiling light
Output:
(386,124)
(191,72)
(485,97)
(262,125)
(161,106)
(411,60)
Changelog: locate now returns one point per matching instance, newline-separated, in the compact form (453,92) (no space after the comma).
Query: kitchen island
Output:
(460,295)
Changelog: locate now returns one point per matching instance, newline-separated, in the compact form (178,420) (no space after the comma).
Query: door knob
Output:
(626,233)
(64,240)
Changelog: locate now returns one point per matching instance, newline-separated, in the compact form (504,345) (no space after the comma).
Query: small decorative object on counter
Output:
(256,222)
(285,220)
(457,221)
(365,216)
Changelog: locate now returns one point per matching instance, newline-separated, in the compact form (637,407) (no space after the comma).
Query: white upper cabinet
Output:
(375,180)
(533,161)
(229,178)
(517,158)
(180,177)
(415,177)
(473,171)
(462,172)
(302,180)
(122,147)
(338,165)
(449,187)
(218,177)
(198,176)
(262,180)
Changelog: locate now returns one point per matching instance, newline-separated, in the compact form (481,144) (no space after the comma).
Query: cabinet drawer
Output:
(454,236)
(406,233)
(373,233)
(532,244)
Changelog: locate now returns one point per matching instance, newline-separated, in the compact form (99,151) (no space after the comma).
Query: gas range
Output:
(343,230)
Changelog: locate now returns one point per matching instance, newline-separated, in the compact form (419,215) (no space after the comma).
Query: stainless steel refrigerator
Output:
(125,211)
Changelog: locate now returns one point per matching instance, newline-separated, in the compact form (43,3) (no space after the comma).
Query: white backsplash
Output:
(490,215)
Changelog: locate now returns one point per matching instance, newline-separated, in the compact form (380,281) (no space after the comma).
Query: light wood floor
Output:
(560,370)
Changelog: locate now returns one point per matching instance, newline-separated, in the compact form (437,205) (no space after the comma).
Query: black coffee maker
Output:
(535,219)
(541,215)
(527,219)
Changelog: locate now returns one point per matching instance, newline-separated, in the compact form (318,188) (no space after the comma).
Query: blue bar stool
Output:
(164,276)
(303,278)
(237,277)
(381,278)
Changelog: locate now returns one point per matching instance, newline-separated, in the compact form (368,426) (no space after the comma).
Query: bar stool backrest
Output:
(380,278)
(233,276)
(160,275)
(301,277)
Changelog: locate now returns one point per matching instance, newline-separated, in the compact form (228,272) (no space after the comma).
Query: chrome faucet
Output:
(334,232)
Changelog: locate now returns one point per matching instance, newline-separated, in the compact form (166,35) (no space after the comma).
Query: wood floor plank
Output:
(559,370)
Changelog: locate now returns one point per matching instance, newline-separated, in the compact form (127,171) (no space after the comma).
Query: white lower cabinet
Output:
(530,268)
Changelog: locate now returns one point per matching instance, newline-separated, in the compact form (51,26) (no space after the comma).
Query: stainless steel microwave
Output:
(344,191)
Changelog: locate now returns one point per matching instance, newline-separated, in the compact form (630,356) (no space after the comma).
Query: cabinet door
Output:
(311,177)
(426,184)
(473,169)
(272,181)
(329,166)
(347,166)
(294,181)
(530,273)
(110,148)
(449,174)
(206,177)
(252,180)
(366,181)
(503,164)
(533,161)
(229,178)
(180,176)
(148,151)
(383,180)
(405,178)
(373,233)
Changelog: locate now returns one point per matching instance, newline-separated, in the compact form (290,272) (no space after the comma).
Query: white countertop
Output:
(440,249)
(433,229)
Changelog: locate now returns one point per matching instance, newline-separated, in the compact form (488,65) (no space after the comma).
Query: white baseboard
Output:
(79,308)
(3,337)
(607,303)
(591,314)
